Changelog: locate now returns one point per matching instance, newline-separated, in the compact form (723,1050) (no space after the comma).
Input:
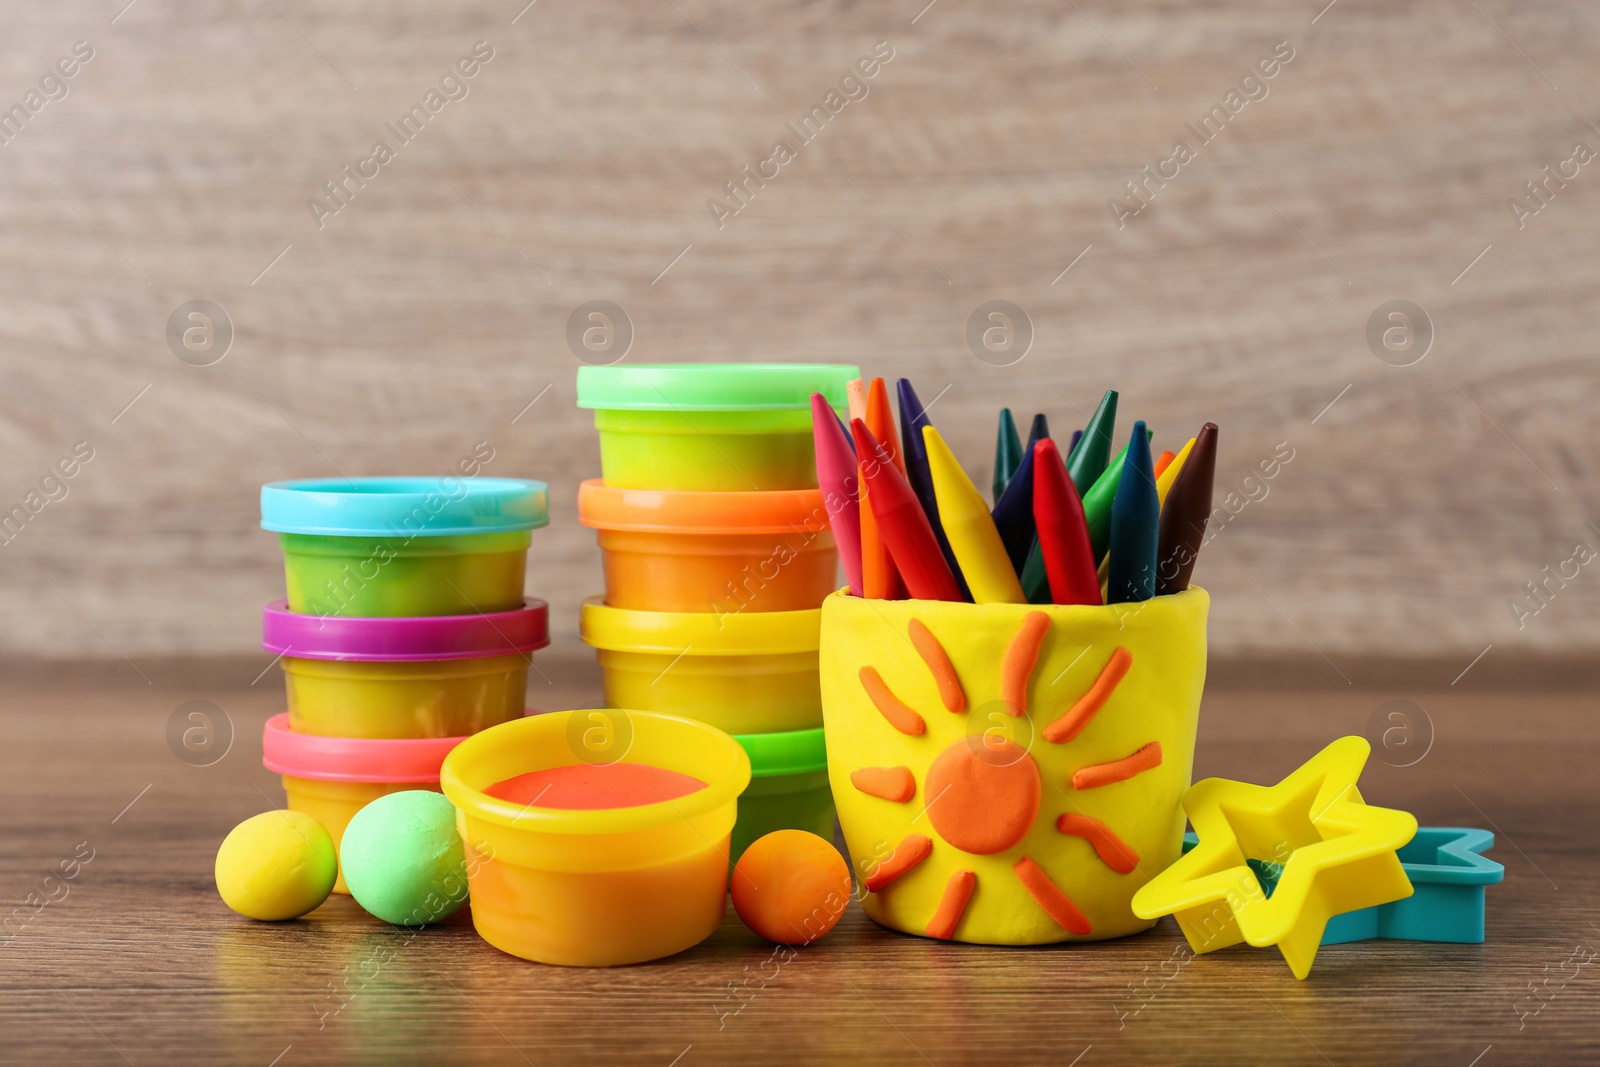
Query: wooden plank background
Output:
(431,311)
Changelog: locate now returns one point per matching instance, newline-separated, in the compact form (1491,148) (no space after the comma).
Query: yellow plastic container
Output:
(427,676)
(334,804)
(746,673)
(1010,773)
(446,698)
(603,887)
(332,778)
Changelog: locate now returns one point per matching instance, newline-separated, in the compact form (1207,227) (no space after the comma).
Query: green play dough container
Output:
(788,788)
(364,576)
(709,426)
(404,546)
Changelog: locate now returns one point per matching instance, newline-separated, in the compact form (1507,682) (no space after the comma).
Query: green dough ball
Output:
(402,858)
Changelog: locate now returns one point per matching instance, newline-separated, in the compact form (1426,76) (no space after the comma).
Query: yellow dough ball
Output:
(276,865)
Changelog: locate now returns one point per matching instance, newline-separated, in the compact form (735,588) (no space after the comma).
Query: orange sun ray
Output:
(1021,656)
(1078,716)
(1050,897)
(1111,849)
(944,672)
(957,891)
(900,714)
(887,783)
(1121,770)
(912,850)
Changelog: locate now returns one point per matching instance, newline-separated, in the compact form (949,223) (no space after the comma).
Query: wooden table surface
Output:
(139,961)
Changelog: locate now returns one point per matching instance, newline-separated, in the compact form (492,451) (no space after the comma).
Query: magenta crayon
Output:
(902,524)
(1063,532)
(836,476)
(1184,515)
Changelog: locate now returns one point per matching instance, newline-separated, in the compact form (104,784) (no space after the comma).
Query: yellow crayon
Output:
(1170,475)
(969,529)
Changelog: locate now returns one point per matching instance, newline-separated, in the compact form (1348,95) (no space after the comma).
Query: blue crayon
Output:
(914,449)
(849,440)
(1077,435)
(1135,521)
(1013,512)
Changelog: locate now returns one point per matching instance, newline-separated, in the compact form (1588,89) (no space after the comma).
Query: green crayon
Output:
(1007,453)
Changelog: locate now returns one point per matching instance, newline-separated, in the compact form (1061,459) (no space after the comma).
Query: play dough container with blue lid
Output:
(399,546)
(745,672)
(709,426)
(332,778)
(788,787)
(428,676)
(597,837)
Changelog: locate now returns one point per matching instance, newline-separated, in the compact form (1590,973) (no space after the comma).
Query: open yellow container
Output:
(748,672)
(596,888)
(1011,773)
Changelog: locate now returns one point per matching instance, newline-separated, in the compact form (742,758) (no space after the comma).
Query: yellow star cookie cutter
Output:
(1337,853)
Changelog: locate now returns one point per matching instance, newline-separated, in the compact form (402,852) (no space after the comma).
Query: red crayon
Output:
(902,524)
(1063,531)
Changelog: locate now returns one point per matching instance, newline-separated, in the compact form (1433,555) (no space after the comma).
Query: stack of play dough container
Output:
(717,558)
(405,629)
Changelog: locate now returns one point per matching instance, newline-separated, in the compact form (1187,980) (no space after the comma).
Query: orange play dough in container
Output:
(597,883)
(594,787)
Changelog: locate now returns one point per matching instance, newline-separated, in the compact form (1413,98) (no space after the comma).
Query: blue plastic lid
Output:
(404,506)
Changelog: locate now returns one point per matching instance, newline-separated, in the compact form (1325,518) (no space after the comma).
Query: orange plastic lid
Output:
(659,511)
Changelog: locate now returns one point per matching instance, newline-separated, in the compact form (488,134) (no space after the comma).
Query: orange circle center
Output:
(982,794)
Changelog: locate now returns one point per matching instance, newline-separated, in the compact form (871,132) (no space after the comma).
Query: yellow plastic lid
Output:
(696,633)
(693,512)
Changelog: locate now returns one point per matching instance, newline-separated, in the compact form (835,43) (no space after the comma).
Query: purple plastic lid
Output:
(398,640)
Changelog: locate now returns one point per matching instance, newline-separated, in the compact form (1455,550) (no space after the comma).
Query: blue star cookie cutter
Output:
(1448,869)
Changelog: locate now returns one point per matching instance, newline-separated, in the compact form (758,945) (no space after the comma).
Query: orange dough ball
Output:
(791,887)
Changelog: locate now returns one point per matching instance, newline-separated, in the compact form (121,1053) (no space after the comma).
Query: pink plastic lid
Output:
(352,759)
(432,637)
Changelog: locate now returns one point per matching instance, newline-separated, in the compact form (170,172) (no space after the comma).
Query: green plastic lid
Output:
(713,386)
(789,752)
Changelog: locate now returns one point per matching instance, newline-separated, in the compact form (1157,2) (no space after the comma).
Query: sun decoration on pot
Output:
(1032,817)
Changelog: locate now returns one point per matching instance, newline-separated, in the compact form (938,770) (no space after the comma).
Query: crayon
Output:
(1097,503)
(1007,453)
(880,420)
(1165,478)
(880,580)
(1135,516)
(844,429)
(836,476)
(1013,513)
(1077,435)
(913,417)
(1088,461)
(1161,462)
(1063,534)
(856,392)
(1183,519)
(971,531)
(901,522)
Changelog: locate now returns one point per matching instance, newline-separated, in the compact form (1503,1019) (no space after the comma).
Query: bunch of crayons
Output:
(1086,528)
